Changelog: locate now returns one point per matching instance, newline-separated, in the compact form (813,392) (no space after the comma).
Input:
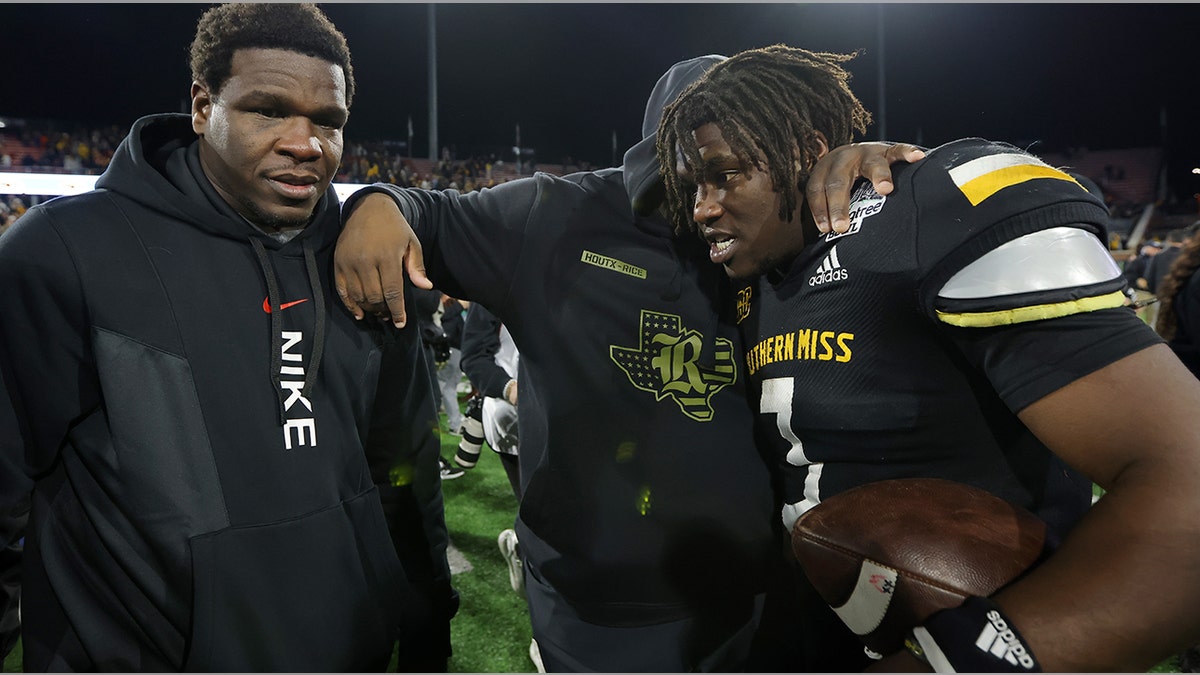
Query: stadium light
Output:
(56,184)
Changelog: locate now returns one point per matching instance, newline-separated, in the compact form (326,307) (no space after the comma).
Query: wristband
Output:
(510,383)
(974,637)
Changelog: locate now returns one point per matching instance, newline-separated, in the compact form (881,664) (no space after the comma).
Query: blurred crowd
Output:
(88,151)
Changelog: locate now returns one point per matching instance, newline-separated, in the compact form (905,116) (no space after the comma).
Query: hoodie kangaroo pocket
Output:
(322,592)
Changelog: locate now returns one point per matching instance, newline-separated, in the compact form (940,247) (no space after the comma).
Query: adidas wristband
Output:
(974,637)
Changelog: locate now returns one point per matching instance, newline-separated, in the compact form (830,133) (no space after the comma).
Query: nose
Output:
(299,140)
(708,208)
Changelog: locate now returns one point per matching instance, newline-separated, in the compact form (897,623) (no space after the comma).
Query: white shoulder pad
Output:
(1060,257)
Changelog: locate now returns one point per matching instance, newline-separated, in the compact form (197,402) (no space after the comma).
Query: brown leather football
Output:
(886,555)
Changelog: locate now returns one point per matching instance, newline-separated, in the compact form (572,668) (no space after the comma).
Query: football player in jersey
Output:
(969,326)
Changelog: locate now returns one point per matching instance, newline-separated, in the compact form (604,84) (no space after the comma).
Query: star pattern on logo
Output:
(666,364)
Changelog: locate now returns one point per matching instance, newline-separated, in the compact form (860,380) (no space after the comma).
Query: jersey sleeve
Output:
(1024,362)
(1005,238)
(1014,270)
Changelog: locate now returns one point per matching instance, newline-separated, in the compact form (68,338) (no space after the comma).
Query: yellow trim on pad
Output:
(979,189)
(1007,317)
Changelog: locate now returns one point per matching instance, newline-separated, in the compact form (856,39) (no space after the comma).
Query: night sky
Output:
(1044,76)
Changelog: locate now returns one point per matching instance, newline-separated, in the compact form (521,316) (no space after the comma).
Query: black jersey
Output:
(907,346)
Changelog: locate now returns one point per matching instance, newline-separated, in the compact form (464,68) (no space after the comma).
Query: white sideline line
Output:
(56,184)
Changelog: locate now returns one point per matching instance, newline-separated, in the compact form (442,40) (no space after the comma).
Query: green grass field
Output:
(491,632)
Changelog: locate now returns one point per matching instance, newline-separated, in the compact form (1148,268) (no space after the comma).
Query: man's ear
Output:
(822,144)
(202,103)
(822,150)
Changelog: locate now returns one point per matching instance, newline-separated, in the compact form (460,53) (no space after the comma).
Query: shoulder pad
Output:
(971,197)
(1041,275)
(1060,257)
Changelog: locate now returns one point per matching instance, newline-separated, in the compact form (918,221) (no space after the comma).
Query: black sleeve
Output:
(481,341)
(452,322)
(403,450)
(13,521)
(40,296)
(1027,361)
(1157,269)
(424,304)
(45,347)
(1134,269)
(472,242)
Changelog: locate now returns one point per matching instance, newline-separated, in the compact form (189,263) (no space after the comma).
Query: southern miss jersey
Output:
(906,346)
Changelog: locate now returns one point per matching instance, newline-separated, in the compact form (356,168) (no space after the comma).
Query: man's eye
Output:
(267,112)
(725,176)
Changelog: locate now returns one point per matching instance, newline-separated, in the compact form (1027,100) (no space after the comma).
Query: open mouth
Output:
(720,246)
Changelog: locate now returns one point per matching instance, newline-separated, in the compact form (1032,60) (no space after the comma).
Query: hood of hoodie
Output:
(642,182)
(158,166)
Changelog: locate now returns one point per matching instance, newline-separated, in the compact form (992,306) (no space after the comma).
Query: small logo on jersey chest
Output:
(829,271)
(864,203)
(743,303)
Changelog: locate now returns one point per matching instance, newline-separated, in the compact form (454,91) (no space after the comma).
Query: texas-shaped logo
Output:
(666,363)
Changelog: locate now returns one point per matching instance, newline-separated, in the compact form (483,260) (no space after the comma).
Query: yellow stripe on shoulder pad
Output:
(1055,310)
(981,178)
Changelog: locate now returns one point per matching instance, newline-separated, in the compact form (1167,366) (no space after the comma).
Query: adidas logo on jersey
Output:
(829,271)
(997,639)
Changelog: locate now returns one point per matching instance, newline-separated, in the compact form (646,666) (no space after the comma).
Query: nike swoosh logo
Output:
(267,304)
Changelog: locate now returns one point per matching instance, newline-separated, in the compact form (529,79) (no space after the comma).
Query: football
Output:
(886,555)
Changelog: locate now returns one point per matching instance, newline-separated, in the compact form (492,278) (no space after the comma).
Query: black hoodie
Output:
(645,499)
(202,501)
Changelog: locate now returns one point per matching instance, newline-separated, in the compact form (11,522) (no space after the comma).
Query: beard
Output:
(271,222)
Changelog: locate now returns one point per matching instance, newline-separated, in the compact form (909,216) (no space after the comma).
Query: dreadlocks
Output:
(768,102)
(1177,277)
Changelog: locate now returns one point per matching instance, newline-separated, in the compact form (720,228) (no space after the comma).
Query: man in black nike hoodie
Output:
(194,406)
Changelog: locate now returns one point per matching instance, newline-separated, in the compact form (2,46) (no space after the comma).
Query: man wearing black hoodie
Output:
(194,407)
(647,522)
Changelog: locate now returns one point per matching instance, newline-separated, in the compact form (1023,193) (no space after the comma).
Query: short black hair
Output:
(302,28)
(774,100)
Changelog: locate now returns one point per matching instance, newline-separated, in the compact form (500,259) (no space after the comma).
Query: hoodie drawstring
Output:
(314,282)
(264,262)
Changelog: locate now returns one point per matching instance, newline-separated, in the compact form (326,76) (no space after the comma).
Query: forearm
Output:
(471,241)
(1123,591)
(1124,588)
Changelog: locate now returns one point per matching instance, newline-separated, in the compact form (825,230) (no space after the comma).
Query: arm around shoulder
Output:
(376,247)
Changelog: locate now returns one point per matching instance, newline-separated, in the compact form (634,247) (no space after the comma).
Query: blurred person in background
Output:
(1179,312)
